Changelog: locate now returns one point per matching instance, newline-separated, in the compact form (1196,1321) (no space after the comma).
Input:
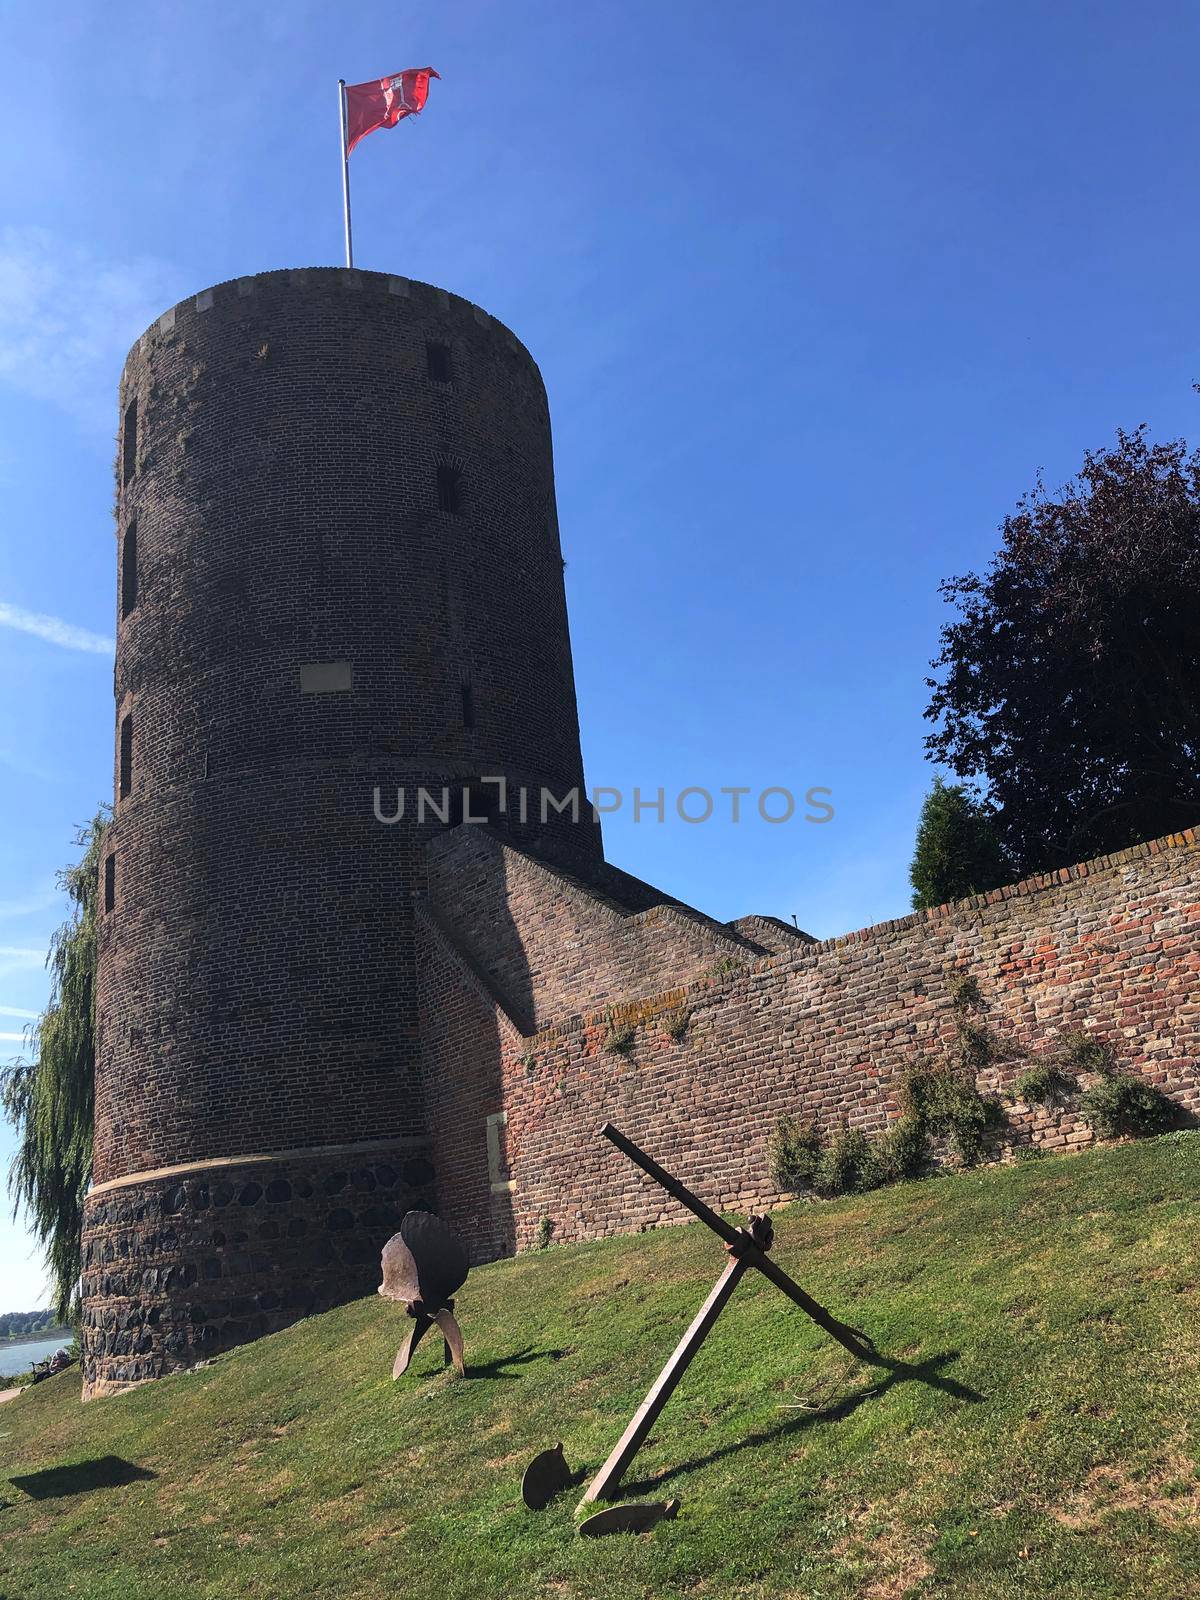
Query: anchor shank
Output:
(604,1485)
(849,1338)
(678,1191)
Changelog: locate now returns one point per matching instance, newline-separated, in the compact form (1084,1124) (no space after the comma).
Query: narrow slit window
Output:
(129,570)
(439,362)
(468,704)
(110,882)
(129,442)
(449,488)
(125,771)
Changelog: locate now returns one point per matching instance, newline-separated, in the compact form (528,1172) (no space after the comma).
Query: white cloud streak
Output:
(16,1011)
(54,630)
(67,317)
(36,901)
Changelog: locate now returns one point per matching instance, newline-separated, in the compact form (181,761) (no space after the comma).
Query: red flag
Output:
(382,102)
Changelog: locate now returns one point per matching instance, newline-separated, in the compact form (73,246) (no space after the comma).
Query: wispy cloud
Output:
(31,904)
(17,1038)
(16,958)
(16,1011)
(54,630)
(20,961)
(68,315)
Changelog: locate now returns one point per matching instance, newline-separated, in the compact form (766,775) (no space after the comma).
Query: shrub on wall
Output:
(847,1165)
(794,1152)
(938,1101)
(1044,1084)
(943,1105)
(901,1151)
(1121,1103)
(934,1103)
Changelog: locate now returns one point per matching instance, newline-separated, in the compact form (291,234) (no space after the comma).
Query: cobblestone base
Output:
(184,1263)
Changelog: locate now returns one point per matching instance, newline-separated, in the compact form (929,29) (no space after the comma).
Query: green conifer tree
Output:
(958,850)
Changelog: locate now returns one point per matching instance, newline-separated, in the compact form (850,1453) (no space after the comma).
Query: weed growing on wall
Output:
(726,967)
(675,1023)
(1084,1053)
(975,1044)
(964,992)
(619,1035)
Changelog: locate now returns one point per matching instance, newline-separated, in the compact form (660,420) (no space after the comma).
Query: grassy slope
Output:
(1064,1291)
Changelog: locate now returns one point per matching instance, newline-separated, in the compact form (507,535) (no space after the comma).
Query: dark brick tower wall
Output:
(339,569)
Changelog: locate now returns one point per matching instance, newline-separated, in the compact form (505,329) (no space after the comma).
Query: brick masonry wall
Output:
(774,935)
(466,1038)
(1111,946)
(317,616)
(255,982)
(550,943)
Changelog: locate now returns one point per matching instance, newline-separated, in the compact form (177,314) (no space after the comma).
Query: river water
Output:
(20,1357)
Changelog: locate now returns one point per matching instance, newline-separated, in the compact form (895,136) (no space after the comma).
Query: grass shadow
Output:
(489,1370)
(80,1477)
(927,1372)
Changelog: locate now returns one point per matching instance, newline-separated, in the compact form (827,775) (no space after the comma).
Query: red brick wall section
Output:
(776,936)
(1111,947)
(550,944)
(466,1037)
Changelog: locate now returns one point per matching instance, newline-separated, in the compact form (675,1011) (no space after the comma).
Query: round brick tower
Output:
(339,582)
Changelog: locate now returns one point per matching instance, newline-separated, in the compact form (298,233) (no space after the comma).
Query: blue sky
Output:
(816,289)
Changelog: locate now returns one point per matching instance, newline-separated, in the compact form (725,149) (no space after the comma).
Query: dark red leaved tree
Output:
(1069,685)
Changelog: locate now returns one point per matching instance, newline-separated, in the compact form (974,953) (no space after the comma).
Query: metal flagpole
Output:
(345,171)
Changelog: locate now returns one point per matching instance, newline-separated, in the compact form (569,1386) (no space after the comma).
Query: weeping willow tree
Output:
(49,1099)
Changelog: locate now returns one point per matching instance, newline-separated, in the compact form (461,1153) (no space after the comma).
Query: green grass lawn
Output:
(1047,1445)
